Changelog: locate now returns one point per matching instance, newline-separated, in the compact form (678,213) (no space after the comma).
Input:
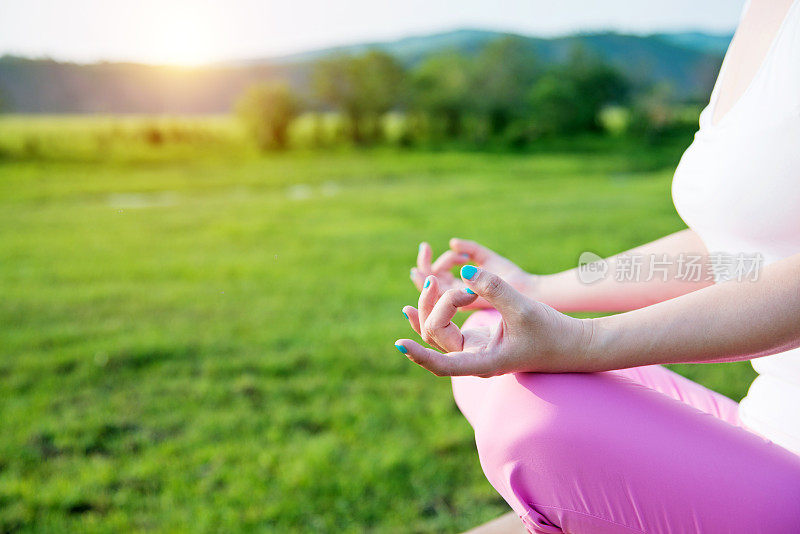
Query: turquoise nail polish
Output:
(468,271)
(465,256)
(471,292)
(401,348)
(404,314)
(427,283)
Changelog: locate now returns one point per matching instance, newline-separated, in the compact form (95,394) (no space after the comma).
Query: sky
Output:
(193,32)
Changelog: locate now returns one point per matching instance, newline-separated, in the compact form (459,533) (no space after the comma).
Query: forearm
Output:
(566,292)
(735,320)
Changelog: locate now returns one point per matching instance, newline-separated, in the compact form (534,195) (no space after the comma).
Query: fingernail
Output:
(465,256)
(411,273)
(421,245)
(404,314)
(468,271)
(468,290)
(401,348)
(427,283)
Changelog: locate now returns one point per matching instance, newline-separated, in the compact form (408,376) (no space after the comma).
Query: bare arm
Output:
(565,292)
(735,320)
(726,322)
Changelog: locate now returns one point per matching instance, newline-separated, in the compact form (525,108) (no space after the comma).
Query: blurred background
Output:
(208,212)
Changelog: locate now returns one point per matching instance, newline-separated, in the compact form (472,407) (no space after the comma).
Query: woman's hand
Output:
(464,251)
(530,337)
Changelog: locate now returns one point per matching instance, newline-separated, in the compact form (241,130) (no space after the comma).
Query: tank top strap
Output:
(705,114)
(775,87)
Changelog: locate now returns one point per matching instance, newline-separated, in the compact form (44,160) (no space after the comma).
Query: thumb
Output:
(494,289)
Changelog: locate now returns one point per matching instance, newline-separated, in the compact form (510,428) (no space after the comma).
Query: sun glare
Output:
(181,36)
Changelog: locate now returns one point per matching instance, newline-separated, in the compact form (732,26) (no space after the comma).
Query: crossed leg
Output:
(636,450)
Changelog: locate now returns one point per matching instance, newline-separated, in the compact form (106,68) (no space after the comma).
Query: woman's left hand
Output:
(465,251)
(530,337)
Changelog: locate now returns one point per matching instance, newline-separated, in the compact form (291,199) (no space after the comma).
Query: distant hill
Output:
(703,42)
(470,41)
(409,50)
(687,62)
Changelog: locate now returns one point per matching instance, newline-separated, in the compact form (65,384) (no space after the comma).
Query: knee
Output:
(523,441)
(518,430)
(533,426)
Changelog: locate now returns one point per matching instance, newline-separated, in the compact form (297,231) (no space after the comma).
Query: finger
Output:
(424,257)
(418,278)
(439,324)
(452,364)
(427,299)
(413,317)
(477,253)
(494,289)
(448,260)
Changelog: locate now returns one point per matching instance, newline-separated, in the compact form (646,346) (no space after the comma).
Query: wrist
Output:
(532,286)
(602,338)
(544,288)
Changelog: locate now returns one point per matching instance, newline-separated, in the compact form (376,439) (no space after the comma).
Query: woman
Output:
(577,424)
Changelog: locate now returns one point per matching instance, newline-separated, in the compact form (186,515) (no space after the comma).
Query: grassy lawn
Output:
(206,343)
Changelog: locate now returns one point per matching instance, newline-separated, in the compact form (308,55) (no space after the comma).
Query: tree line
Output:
(503,94)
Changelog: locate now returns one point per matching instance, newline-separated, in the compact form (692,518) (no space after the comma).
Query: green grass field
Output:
(205,343)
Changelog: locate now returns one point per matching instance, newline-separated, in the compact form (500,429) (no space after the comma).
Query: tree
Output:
(653,113)
(441,89)
(363,88)
(267,110)
(555,103)
(568,98)
(504,72)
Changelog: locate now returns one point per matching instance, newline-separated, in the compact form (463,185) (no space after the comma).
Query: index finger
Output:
(477,253)
(439,324)
(424,257)
(448,260)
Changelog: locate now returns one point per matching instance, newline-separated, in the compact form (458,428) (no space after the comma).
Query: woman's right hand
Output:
(464,251)
(530,337)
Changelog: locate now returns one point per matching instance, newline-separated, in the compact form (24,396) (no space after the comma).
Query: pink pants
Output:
(636,450)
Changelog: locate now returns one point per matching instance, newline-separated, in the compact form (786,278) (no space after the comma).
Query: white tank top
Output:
(738,187)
